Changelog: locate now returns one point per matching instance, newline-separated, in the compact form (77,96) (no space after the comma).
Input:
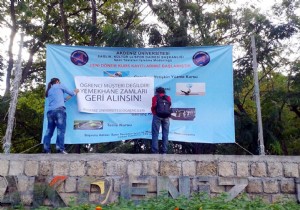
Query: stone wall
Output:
(103,178)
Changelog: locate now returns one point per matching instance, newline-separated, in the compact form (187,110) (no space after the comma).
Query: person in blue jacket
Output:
(56,114)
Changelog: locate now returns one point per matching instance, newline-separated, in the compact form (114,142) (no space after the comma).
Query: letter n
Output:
(164,185)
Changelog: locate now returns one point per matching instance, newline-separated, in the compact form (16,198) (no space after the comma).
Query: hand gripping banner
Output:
(116,86)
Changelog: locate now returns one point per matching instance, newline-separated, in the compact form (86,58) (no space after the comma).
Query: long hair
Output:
(52,82)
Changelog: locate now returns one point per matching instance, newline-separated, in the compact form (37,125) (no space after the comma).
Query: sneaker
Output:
(63,152)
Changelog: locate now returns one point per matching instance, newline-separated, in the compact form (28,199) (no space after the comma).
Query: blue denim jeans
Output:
(56,119)
(165,124)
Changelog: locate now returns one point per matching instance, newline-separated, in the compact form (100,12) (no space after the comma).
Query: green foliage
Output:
(114,36)
(4,104)
(29,115)
(196,202)
(120,23)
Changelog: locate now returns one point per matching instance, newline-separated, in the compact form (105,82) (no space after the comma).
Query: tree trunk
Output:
(13,102)
(64,22)
(10,48)
(94,23)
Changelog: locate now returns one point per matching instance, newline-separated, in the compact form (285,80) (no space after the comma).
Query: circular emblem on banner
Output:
(79,57)
(201,58)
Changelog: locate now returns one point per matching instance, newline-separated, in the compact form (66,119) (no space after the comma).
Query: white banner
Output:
(114,94)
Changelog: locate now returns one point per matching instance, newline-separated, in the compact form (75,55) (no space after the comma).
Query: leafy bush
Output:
(196,202)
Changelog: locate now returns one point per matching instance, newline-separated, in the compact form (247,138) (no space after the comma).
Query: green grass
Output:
(196,202)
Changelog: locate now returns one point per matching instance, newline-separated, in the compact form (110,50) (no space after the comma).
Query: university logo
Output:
(79,57)
(201,58)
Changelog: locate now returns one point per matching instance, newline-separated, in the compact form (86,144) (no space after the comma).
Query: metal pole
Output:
(13,101)
(257,99)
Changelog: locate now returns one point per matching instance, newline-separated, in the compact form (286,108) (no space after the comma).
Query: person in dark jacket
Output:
(159,121)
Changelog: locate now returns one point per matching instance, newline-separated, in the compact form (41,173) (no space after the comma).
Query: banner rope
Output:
(129,142)
(244,148)
(119,146)
(30,148)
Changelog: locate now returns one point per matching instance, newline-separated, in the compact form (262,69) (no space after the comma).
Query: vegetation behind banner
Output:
(179,23)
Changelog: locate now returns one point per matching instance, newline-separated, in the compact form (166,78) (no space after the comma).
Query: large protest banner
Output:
(116,86)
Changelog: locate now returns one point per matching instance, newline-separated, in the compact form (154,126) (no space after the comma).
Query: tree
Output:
(120,23)
(213,22)
(113,23)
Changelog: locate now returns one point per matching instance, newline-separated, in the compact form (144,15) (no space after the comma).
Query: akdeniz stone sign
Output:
(36,180)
